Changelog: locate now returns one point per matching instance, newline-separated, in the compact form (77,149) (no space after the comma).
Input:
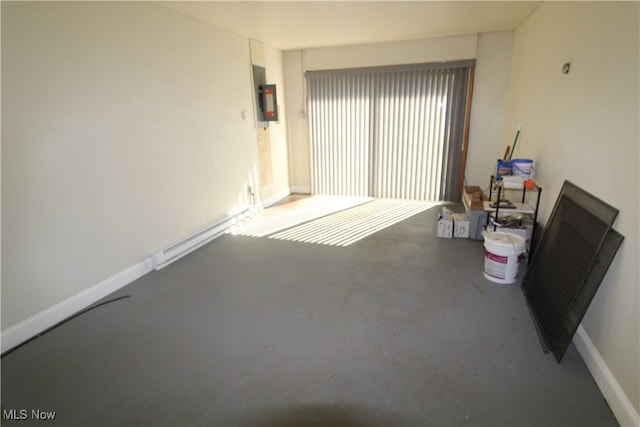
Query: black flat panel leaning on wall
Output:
(569,264)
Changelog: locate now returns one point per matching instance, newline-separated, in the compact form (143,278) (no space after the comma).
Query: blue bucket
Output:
(504,168)
(522,168)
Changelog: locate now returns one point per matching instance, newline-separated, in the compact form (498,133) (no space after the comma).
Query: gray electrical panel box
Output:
(265,98)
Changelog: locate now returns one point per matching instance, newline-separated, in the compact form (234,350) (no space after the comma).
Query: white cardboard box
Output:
(445,225)
(461,225)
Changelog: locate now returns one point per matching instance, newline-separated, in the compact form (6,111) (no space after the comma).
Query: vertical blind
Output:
(391,132)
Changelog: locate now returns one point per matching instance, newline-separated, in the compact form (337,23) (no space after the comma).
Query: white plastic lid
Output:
(502,238)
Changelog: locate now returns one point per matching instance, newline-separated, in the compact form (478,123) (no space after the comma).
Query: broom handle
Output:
(515,141)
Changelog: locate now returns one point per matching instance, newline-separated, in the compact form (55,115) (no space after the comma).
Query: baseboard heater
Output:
(176,251)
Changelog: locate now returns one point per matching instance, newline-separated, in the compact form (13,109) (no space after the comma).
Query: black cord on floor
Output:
(73,316)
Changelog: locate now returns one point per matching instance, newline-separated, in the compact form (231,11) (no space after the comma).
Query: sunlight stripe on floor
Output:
(282,217)
(351,225)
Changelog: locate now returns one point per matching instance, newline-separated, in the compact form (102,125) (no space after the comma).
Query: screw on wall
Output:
(566,67)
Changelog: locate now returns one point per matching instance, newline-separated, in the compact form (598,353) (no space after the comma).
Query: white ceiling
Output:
(305,24)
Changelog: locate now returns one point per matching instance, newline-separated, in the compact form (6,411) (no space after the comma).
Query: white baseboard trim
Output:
(618,401)
(299,189)
(38,323)
(164,257)
(276,197)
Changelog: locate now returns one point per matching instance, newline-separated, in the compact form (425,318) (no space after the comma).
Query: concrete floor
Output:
(398,329)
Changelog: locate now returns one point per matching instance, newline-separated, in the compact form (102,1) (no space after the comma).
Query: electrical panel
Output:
(268,103)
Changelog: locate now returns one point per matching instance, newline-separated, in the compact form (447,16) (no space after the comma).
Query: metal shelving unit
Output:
(522,207)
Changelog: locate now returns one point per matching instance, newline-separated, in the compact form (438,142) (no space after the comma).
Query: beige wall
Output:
(271,59)
(278,130)
(393,53)
(490,91)
(122,133)
(583,127)
(297,131)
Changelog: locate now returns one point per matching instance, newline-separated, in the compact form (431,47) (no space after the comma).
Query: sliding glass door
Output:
(392,132)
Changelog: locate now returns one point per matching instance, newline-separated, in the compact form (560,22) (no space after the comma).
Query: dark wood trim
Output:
(467,119)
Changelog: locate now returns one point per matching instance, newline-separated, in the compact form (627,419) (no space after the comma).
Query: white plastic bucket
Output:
(522,167)
(502,256)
